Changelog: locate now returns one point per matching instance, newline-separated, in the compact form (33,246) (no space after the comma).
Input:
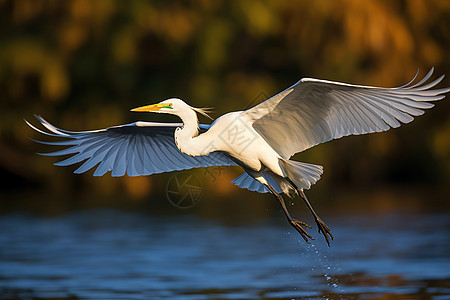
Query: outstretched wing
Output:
(314,111)
(140,148)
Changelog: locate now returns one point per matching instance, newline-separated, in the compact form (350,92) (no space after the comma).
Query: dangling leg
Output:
(320,224)
(295,223)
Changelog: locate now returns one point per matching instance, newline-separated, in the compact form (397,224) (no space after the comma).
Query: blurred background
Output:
(84,64)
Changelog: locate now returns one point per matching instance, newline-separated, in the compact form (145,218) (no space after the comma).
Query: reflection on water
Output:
(116,255)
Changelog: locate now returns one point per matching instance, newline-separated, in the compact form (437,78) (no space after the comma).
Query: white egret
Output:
(261,139)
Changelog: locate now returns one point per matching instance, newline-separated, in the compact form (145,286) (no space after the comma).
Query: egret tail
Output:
(302,174)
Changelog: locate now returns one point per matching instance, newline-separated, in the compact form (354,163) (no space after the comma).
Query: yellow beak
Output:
(146,108)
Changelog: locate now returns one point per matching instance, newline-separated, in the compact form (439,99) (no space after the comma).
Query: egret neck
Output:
(187,138)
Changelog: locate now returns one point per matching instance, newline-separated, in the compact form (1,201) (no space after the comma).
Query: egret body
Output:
(310,112)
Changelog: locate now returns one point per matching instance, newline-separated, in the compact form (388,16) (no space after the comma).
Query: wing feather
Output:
(408,86)
(154,160)
(314,111)
(120,166)
(130,150)
(140,148)
(108,160)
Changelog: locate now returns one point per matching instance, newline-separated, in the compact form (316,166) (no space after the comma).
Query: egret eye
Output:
(167,105)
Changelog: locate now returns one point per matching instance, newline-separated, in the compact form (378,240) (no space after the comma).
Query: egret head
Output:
(172,106)
(169,106)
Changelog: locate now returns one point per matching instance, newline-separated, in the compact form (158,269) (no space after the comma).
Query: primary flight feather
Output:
(261,139)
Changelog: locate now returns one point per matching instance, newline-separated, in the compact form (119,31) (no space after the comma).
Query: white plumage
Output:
(261,139)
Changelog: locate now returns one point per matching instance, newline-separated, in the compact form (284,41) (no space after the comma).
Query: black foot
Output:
(298,226)
(324,230)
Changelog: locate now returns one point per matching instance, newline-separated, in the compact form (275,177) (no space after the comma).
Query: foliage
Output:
(83,64)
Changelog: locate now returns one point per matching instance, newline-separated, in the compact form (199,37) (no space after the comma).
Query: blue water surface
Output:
(110,254)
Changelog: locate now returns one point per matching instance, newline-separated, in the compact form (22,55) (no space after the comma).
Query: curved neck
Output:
(187,138)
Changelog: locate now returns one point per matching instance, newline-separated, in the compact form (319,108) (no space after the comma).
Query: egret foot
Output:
(323,228)
(298,225)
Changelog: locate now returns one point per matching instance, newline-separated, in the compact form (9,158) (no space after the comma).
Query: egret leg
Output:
(323,228)
(298,225)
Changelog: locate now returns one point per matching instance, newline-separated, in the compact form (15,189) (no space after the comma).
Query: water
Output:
(107,254)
